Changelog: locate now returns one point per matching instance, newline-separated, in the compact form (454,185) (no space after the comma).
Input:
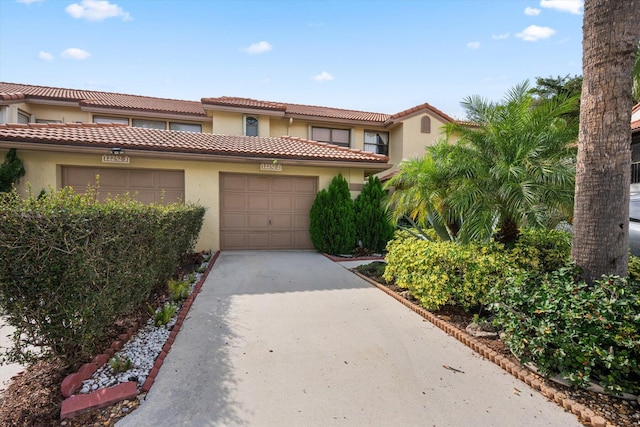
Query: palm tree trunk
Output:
(601,210)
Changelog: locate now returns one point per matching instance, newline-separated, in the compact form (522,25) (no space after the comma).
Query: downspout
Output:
(289,126)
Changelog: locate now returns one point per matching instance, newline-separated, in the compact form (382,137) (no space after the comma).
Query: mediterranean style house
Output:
(255,165)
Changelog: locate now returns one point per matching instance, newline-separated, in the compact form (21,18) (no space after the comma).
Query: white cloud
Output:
(533,33)
(473,45)
(500,36)
(260,47)
(531,11)
(323,77)
(571,6)
(45,56)
(75,53)
(30,1)
(96,10)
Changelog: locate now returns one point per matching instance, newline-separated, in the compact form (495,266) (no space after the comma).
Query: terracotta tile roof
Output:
(299,109)
(230,101)
(5,96)
(105,99)
(110,135)
(635,126)
(418,108)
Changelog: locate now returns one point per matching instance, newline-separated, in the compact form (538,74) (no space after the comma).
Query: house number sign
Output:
(115,158)
(273,167)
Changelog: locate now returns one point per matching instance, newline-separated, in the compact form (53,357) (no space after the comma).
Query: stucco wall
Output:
(201,179)
(414,140)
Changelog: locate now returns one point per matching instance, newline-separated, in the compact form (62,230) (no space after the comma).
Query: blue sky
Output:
(380,56)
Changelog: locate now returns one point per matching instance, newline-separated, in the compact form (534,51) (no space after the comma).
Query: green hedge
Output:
(70,266)
(444,272)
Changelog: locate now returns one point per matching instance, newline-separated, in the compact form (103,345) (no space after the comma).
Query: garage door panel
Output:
(275,211)
(233,221)
(282,202)
(281,221)
(141,179)
(171,197)
(257,183)
(257,221)
(258,202)
(283,185)
(171,180)
(233,201)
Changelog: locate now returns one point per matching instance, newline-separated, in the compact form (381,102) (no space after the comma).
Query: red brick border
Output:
(585,415)
(79,404)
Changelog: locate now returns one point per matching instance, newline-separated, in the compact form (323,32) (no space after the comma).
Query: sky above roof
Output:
(378,56)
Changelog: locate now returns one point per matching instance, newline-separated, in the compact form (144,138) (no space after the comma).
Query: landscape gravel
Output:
(142,349)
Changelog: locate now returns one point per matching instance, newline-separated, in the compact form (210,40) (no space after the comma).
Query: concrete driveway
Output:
(293,339)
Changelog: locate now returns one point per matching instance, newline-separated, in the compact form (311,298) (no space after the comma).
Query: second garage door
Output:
(265,212)
(145,185)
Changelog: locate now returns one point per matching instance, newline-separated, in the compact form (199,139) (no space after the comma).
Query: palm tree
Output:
(601,232)
(421,189)
(515,167)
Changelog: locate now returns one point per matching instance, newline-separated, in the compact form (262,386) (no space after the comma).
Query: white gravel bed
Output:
(142,349)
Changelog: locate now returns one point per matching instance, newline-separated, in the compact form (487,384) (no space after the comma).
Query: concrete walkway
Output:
(293,339)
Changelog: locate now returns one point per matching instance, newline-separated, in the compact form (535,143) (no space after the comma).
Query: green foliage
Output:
(332,222)
(373,228)
(119,365)
(444,272)
(564,326)
(70,266)
(373,269)
(634,269)
(438,273)
(179,289)
(11,170)
(162,315)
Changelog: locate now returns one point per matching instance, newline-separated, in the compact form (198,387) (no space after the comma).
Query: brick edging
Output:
(343,259)
(78,404)
(586,416)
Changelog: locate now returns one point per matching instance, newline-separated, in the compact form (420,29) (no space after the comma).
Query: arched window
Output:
(251,126)
(425,125)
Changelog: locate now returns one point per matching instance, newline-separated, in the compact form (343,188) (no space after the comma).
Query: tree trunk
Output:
(611,30)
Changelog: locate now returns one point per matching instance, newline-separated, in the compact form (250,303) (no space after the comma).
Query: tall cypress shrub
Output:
(332,225)
(373,228)
(11,170)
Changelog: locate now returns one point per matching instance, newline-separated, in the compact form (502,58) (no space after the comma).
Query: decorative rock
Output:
(481,331)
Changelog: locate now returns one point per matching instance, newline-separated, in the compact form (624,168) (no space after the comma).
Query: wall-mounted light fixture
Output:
(117,150)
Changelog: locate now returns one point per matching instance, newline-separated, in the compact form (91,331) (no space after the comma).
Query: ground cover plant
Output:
(70,267)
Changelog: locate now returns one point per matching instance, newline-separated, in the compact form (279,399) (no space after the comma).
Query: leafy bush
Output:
(567,327)
(438,273)
(70,266)
(445,272)
(11,170)
(332,225)
(373,228)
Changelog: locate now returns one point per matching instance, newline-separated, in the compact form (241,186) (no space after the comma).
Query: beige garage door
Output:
(145,185)
(265,212)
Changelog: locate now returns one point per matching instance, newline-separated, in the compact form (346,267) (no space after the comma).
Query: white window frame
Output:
(107,119)
(149,124)
(244,125)
(189,127)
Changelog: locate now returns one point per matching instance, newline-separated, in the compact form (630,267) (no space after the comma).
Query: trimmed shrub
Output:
(564,326)
(332,226)
(11,170)
(373,228)
(70,266)
(444,272)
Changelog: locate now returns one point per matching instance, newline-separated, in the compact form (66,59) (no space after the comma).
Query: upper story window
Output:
(340,137)
(376,142)
(48,121)
(251,126)
(425,124)
(185,127)
(104,119)
(23,117)
(149,124)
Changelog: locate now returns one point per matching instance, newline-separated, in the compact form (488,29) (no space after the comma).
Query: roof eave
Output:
(144,113)
(243,110)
